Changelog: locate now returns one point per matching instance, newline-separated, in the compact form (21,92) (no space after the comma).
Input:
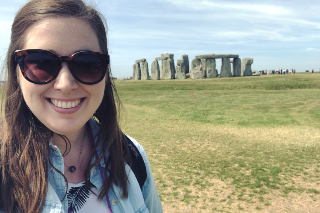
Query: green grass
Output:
(228,144)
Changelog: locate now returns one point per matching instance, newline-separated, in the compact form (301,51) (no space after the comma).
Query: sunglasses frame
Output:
(21,54)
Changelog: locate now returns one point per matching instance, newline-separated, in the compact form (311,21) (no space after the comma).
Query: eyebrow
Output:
(71,53)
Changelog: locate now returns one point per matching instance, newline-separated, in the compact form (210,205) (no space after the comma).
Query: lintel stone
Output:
(226,56)
(169,55)
(204,56)
(141,60)
(161,58)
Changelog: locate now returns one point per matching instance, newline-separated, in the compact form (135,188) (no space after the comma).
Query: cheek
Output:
(32,93)
(98,92)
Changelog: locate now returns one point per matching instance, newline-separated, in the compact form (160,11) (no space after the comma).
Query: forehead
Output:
(62,35)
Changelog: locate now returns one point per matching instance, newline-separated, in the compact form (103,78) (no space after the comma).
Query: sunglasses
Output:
(42,66)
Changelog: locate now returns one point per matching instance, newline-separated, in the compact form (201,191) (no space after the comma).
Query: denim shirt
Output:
(138,201)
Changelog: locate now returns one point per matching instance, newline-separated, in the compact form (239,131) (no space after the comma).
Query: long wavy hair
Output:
(25,140)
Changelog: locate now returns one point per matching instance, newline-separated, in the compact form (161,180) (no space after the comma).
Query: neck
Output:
(74,140)
(78,154)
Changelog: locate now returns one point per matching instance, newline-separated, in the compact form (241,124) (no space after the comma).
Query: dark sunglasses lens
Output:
(87,68)
(40,67)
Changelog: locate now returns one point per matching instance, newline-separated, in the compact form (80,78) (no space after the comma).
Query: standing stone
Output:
(185,58)
(196,69)
(144,71)
(172,68)
(161,70)
(195,64)
(180,70)
(204,67)
(134,71)
(137,72)
(170,57)
(155,70)
(225,68)
(197,73)
(236,67)
(211,68)
(166,69)
(246,67)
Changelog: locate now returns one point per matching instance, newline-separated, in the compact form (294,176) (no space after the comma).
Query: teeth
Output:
(65,104)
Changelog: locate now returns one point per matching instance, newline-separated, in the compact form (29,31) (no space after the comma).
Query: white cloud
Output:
(260,8)
(254,34)
(312,49)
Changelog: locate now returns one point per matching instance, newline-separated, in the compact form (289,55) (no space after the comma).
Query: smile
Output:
(65,104)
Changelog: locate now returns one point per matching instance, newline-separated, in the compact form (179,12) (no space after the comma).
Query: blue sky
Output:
(276,34)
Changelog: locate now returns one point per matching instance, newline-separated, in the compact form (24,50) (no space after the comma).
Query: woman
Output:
(61,134)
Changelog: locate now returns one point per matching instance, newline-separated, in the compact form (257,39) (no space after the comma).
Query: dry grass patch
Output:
(210,168)
(230,145)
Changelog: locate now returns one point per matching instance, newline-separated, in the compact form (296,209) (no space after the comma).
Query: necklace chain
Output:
(73,168)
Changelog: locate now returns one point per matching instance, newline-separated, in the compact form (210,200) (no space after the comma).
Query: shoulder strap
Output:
(137,164)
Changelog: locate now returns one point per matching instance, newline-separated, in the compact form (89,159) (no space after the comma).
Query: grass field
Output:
(246,144)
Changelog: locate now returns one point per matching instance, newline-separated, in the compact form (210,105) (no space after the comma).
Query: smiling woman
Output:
(62,148)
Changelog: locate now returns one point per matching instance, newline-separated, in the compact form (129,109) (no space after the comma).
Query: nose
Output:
(65,80)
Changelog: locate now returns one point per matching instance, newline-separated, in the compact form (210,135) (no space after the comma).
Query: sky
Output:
(276,34)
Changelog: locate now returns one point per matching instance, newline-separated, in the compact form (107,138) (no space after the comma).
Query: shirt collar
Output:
(95,130)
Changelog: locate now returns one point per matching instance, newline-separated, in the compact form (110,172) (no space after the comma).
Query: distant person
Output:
(62,149)
(281,71)
(312,70)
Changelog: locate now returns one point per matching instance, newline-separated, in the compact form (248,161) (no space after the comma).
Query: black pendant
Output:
(72,168)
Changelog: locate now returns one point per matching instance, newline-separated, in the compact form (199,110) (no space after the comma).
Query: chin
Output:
(65,128)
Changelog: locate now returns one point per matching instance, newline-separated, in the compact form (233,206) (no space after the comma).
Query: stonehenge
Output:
(202,66)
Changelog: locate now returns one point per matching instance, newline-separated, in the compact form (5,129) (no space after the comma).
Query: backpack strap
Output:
(137,164)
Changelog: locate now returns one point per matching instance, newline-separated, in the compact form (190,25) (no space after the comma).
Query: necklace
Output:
(74,168)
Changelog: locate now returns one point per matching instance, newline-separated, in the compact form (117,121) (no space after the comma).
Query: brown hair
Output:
(25,140)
